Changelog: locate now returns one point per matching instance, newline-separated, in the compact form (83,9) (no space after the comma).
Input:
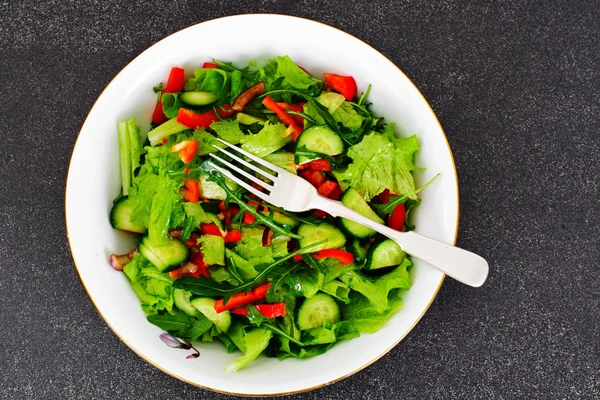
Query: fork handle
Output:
(462,265)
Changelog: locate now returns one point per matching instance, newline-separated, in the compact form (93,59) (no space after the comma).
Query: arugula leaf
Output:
(228,130)
(378,165)
(313,262)
(246,72)
(388,208)
(181,325)
(271,138)
(410,205)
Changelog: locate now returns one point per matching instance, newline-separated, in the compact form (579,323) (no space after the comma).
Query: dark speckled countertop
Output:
(516,86)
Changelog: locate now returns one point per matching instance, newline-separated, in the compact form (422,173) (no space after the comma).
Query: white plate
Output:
(94,181)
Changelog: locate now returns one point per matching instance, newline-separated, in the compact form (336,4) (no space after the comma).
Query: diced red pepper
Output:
(396,220)
(327,188)
(384,196)
(210,229)
(344,85)
(249,218)
(258,187)
(281,114)
(271,310)
(320,213)
(194,120)
(176,79)
(198,258)
(190,191)
(158,116)
(187,150)
(187,170)
(320,164)
(342,256)
(316,178)
(233,236)
(239,299)
(209,65)
(240,311)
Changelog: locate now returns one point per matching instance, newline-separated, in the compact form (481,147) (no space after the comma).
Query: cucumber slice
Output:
(354,201)
(182,301)
(316,233)
(320,139)
(283,219)
(316,312)
(198,98)
(165,257)
(206,306)
(386,253)
(212,190)
(247,119)
(120,217)
(358,250)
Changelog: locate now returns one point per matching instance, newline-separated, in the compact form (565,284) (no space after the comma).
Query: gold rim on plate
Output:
(323,384)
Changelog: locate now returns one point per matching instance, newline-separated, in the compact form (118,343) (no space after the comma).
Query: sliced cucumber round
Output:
(386,253)
(358,250)
(320,139)
(120,217)
(318,311)
(316,233)
(354,201)
(198,98)
(182,301)
(247,119)
(165,257)
(283,219)
(206,306)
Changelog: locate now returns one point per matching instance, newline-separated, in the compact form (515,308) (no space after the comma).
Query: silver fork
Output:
(295,194)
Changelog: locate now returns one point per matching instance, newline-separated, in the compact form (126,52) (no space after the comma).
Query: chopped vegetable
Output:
(344,85)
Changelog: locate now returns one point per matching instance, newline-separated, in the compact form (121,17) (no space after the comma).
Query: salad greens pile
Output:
(216,263)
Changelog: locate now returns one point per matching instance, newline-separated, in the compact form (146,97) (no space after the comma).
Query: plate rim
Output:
(386,351)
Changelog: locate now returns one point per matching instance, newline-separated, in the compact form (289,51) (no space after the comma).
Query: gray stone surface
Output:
(516,87)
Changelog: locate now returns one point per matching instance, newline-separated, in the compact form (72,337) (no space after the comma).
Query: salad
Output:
(215,263)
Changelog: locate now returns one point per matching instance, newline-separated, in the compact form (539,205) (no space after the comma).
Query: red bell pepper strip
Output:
(239,299)
(233,236)
(320,213)
(187,150)
(327,188)
(174,85)
(210,229)
(396,220)
(342,256)
(384,196)
(198,258)
(271,310)
(194,120)
(293,130)
(336,194)
(158,116)
(316,178)
(240,311)
(282,115)
(297,257)
(297,107)
(175,82)
(209,65)
(190,191)
(344,85)
(249,218)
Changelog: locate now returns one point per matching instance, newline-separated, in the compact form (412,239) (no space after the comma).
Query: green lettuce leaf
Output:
(376,290)
(255,341)
(270,139)
(282,159)
(378,164)
(365,317)
(210,80)
(251,249)
(228,130)
(153,288)
(337,289)
(171,104)
(305,281)
(293,76)
(246,268)
(213,249)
